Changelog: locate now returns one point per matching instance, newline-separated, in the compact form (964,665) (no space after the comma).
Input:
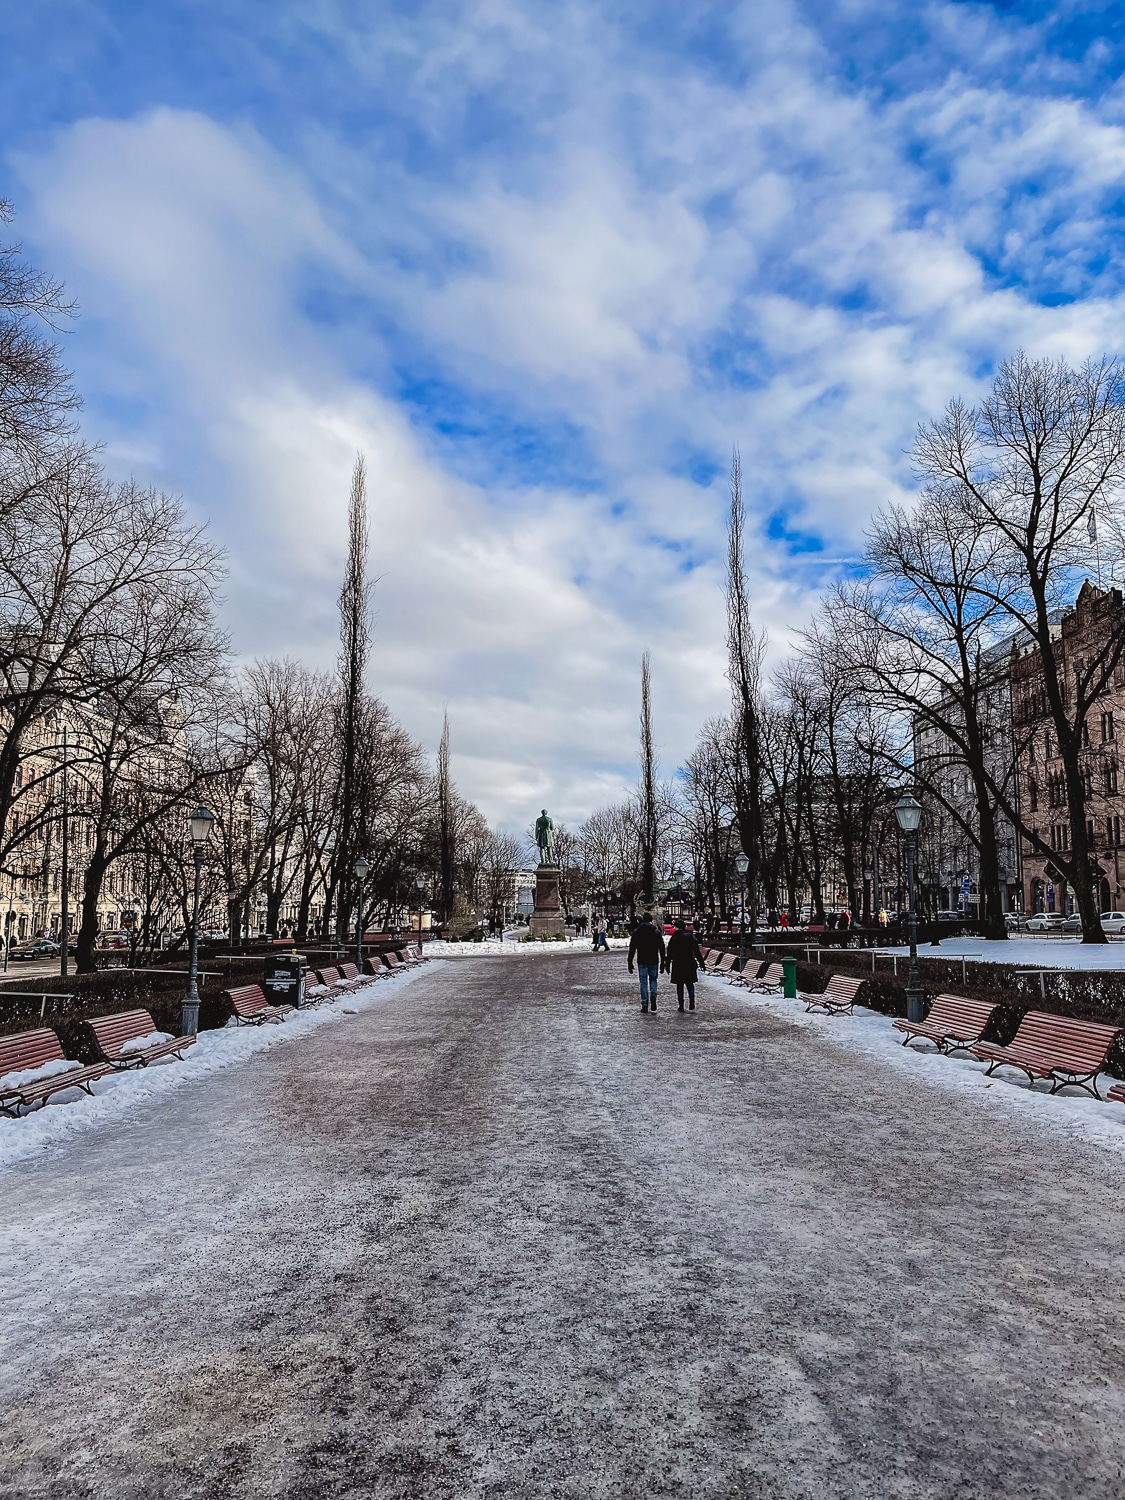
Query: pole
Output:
(191,999)
(742,929)
(64,918)
(359,931)
(913,984)
(8,933)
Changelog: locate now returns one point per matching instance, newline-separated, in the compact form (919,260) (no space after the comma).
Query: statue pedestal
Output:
(548,918)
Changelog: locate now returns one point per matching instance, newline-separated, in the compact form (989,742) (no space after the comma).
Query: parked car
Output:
(1113,921)
(950,916)
(1046,921)
(113,940)
(38,948)
(1072,924)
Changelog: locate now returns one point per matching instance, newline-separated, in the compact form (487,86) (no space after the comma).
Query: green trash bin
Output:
(790,967)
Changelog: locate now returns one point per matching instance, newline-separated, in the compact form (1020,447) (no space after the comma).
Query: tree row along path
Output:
(506,1236)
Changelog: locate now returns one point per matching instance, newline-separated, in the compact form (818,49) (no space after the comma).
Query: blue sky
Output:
(545,264)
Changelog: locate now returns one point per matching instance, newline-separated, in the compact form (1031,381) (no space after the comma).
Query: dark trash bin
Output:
(284,983)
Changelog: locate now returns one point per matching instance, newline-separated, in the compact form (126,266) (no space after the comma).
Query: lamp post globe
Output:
(200,823)
(908,815)
(420,886)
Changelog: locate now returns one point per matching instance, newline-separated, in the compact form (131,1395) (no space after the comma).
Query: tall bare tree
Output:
(355,637)
(446,822)
(1037,464)
(744,669)
(649,828)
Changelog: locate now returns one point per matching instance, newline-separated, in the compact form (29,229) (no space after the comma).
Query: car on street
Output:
(1072,924)
(1046,921)
(39,948)
(1113,921)
(950,916)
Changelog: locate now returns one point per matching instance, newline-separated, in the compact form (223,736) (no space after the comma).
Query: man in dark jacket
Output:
(685,959)
(647,947)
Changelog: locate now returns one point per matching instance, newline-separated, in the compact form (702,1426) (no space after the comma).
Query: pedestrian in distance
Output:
(600,940)
(685,959)
(647,947)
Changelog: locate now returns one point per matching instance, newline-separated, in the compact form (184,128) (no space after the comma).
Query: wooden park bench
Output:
(953,1022)
(32,1049)
(726,964)
(770,982)
(1116,1093)
(1060,1048)
(392,961)
(838,998)
(252,1007)
(112,1032)
(330,978)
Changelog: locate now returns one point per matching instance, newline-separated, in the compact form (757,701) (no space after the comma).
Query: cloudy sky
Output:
(544,262)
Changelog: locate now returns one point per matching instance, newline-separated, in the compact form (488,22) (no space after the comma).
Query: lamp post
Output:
(200,824)
(742,864)
(420,886)
(359,869)
(908,813)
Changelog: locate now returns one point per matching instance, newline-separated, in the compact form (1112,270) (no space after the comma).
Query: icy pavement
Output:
(500,1235)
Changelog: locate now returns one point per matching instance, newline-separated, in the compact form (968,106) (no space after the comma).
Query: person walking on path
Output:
(599,936)
(647,947)
(685,959)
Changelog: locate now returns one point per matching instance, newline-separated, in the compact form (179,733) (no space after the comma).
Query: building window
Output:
(1111,778)
(1087,782)
(1086,733)
(1033,797)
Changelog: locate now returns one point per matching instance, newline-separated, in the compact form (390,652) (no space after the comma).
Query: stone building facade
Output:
(1079,634)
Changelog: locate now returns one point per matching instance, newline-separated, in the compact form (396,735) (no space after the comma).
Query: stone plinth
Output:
(547,919)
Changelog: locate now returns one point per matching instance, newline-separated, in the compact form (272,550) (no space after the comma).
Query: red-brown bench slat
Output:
(838,998)
(111,1032)
(31,1049)
(953,1023)
(1061,1048)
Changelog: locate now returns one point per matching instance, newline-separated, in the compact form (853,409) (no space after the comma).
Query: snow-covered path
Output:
(505,1236)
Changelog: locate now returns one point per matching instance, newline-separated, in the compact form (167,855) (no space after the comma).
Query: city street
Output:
(506,1236)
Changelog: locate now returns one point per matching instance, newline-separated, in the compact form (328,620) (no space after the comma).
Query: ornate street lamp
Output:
(199,824)
(742,864)
(908,814)
(359,869)
(420,886)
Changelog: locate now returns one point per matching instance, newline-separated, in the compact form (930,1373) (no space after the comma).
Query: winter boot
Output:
(691,1005)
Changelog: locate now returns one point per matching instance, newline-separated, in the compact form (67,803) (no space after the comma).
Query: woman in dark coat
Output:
(684,961)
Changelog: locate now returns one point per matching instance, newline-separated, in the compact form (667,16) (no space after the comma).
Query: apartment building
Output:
(1079,635)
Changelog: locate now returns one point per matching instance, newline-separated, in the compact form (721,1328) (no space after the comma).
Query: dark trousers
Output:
(680,987)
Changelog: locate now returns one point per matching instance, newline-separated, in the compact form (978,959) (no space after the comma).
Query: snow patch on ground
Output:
(512,947)
(870,1033)
(1027,952)
(71,1110)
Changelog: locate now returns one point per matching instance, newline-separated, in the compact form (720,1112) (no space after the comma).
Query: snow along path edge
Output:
(72,1112)
(871,1033)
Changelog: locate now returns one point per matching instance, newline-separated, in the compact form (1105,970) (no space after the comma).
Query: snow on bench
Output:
(33,1066)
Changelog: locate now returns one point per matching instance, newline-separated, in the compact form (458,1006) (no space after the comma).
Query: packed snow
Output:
(512,946)
(871,1033)
(71,1110)
(1027,952)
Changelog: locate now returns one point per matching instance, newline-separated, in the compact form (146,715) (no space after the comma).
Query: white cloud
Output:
(659,260)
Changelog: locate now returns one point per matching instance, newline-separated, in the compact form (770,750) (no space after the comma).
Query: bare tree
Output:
(36,398)
(355,613)
(744,668)
(1037,463)
(446,822)
(649,829)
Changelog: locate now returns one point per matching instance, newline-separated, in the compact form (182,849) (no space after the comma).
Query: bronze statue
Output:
(545,838)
